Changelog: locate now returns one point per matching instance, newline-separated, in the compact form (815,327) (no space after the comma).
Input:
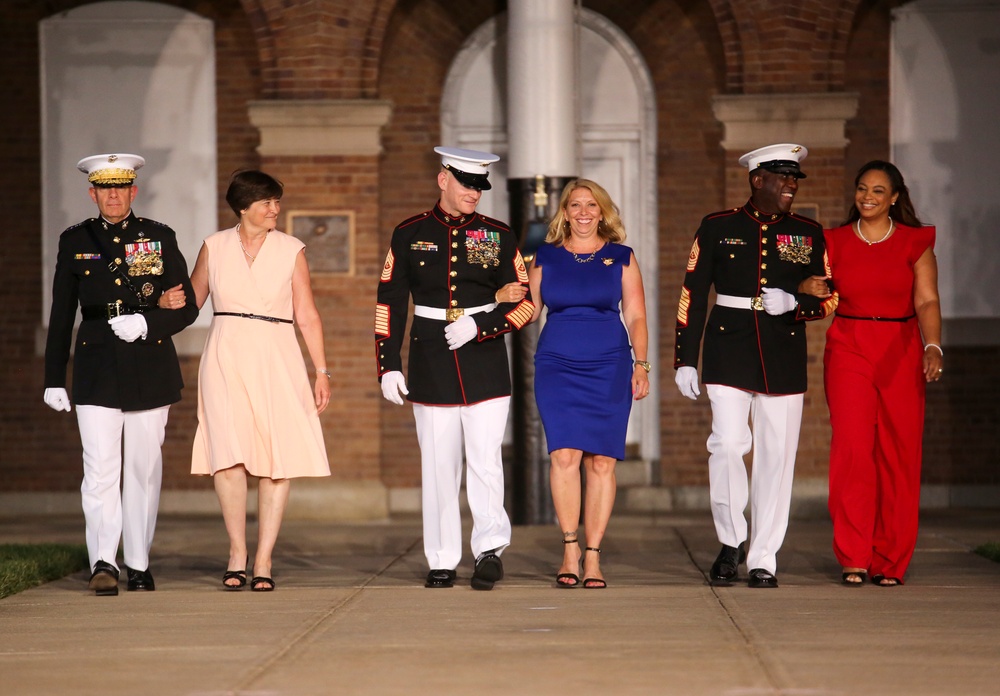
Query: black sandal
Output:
(261,584)
(883,581)
(593,583)
(238,575)
(861,574)
(573,578)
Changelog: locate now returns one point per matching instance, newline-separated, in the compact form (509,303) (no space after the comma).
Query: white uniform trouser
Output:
(439,432)
(775,440)
(106,498)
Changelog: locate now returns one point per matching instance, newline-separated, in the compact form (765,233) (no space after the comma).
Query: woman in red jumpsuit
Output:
(881,349)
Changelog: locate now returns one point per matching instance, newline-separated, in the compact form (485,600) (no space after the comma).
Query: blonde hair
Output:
(610,228)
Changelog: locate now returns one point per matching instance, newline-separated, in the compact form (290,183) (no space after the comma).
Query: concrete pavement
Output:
(350,616)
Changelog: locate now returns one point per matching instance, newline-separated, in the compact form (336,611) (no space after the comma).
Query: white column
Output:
(541,79)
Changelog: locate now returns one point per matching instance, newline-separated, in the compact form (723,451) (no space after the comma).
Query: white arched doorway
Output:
(617,132)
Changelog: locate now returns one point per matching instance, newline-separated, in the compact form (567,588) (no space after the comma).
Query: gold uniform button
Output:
(454,288)
(159,341)
(453,274)
(421,263)
(454,245)
(454,233)
(763,240)
(83,343)
(763,281)
(763,266)
(485,265)
(118,261)
(116,240)
(454,258)
(764,253)
(732,256)
(763,228)
(86,273)
(454,303)
(118,281)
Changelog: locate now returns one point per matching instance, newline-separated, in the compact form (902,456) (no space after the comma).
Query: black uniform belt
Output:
(899,319)
(111,310)
(275,320)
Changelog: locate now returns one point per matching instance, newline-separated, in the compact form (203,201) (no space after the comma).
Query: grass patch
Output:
(990,550)
(23,566)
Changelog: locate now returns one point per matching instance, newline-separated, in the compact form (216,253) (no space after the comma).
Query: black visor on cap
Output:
(480,182)
(783,167)
(113,184)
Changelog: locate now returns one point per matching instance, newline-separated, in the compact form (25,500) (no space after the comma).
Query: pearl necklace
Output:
(857,228)
(239,237)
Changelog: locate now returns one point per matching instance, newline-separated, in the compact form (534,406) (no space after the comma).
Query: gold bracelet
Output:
(644,365)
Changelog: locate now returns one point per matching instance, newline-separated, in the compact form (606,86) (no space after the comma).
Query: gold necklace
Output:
(857,227)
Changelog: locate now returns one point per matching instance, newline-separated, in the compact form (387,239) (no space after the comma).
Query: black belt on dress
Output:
(275,320)
(899,319)
(111,310)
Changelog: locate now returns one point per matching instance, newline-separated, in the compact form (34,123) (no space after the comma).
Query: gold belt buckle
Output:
(757,303)
(453,313)
(114,309)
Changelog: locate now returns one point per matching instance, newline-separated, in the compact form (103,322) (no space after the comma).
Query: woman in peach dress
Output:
(258,416)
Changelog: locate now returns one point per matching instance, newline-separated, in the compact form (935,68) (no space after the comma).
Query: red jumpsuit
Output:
(873,373)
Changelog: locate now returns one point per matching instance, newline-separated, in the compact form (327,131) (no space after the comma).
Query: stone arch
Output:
(261,26)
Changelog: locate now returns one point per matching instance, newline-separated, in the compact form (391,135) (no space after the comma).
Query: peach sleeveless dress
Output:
(255,401)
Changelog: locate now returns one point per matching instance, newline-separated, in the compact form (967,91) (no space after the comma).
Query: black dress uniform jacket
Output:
(742,251)
(108,371)
(445,261)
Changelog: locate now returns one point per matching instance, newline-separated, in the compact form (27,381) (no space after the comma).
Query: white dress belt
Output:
(734,302)
(450,314)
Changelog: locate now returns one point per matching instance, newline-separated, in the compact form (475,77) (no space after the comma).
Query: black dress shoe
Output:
(441,577)
(140,580)
(104,580)
(489,569)
(761,578)
(726,568)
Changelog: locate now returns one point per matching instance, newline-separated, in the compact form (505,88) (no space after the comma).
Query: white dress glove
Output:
(57,398)
(392,384)
(686,379)
(460,332)
(129,327)
(777,301)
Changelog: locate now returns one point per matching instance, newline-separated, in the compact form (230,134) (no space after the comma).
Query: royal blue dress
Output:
(583,363)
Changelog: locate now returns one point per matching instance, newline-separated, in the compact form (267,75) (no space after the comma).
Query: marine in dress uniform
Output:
(125,370)
(452,261)
(754,354)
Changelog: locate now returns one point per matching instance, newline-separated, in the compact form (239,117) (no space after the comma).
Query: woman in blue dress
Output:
(591,363)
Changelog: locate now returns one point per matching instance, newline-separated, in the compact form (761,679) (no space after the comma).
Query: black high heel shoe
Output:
(567,580)
(593,583)
(239,575)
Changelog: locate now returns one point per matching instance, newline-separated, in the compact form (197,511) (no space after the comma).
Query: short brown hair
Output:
(249,186)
